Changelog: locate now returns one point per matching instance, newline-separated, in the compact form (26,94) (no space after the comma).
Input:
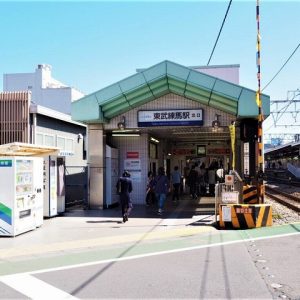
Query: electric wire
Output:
(281,67)
(213,50)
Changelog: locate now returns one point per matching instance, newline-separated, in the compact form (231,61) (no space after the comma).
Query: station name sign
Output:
(172,117)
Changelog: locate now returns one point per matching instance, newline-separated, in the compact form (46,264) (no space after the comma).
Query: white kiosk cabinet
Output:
(21,194)
(50,186)
(21,187)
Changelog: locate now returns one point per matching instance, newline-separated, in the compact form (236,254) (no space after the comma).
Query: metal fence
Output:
(76,186)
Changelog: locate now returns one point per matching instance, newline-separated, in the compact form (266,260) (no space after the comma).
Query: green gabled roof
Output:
(161,79)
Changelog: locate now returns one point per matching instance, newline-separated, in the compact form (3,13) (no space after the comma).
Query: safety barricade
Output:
(245,216)
(250,194)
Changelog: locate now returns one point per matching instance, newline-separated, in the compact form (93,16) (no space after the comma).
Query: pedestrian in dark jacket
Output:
(161,188)
(124,188)
(176,181)
(150,194)
(193,180)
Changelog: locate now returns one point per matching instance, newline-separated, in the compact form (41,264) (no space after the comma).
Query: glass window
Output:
(152,150)
(39,139)
(69,145)
(60,143)
(49,140)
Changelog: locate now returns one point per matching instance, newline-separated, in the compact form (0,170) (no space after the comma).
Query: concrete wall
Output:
(57,99)
(76,165)
(46,90)
(228,72)
(96,163)
(175,102)
(18,82)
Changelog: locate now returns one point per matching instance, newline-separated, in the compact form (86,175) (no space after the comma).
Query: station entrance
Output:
(165,116)
(156,135)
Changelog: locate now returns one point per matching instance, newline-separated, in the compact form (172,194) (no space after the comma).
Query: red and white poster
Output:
(132,154)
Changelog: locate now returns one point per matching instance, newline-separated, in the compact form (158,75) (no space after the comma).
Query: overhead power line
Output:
(282,67)
(219,32)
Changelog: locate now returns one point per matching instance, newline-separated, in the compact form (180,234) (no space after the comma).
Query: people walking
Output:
(197,169)
(176,181)
(124,188)
(161,188)
(150,194)
(202,179)
(192,181)
(186,172)
(212,177)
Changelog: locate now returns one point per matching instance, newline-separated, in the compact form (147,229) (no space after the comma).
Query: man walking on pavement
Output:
(124,188)
(176,181)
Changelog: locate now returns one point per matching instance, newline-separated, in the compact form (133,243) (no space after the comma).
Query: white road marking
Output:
(150,254)
(34,288)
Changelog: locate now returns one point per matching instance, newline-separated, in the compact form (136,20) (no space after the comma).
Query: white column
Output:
(95,165)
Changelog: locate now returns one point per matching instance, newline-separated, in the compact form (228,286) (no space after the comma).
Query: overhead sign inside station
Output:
(172,117)
(132,154)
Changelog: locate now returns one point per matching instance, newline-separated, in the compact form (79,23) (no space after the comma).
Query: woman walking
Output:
(150,195)
(161,188)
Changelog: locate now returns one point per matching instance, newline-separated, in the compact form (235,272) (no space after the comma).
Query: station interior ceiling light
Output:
(179,134)
(126,134)
(154,140)
(126,131)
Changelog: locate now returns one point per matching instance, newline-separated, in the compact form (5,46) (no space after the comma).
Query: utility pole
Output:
(260,160)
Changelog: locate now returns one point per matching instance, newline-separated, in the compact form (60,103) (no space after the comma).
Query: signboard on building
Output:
(183,151)
(230,197)
(132,154)
(5,162)
(66,153)
(218,151)
(172,117)
(133,166)
(277,141)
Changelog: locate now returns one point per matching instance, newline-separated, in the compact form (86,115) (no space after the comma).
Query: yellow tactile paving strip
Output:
(101,241)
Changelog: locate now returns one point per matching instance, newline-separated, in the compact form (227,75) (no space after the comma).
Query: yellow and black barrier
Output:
(250,194)
(245,216)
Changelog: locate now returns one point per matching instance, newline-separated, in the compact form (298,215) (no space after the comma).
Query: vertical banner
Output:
(232,138)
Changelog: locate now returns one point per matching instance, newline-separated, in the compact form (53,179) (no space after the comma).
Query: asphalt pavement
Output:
(92,254)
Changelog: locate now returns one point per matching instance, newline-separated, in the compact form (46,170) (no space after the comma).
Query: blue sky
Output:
(93,44)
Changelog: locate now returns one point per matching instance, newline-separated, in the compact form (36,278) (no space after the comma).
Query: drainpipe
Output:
(33,129)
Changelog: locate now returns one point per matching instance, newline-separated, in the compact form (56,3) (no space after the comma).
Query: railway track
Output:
(292,182)
(288,200)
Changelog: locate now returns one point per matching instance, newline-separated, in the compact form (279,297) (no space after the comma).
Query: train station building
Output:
(167,115)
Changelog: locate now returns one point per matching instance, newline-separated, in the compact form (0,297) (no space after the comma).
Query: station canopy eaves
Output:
(161,79)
